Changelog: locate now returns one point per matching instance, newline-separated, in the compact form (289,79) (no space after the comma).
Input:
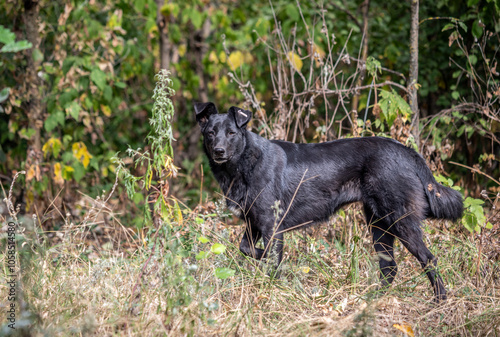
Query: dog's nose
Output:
(219,151)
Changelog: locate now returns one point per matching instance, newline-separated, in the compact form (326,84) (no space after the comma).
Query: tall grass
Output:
(328,285)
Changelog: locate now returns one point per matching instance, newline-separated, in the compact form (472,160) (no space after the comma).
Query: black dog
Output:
(312,181)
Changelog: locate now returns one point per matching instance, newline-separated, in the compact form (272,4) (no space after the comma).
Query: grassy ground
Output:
(96,277)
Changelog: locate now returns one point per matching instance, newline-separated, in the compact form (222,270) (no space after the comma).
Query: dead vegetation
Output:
(76,285)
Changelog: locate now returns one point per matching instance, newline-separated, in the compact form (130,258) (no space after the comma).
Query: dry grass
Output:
(80,285)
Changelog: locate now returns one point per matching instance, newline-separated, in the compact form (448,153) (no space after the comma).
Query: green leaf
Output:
(448,26)
(461,130)
(202,255)
(37,55)
(53,120)
(373,66)
(98,77)
(477,30)
(463,26)
(175,32)
(473,59)
(469,129)
(67,64)
(393,105)
(170,9)
(16,46)
(469,222)
(79,171)
(224,273)
(73,110)
(203,239)
(139,5)
(27,133)
(218,248)
(4,94)
(292,12)
(471,202)
(6,36)
(196,18)
(455,95)
(107,93)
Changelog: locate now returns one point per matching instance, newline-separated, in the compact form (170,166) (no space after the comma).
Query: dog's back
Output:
(388,177)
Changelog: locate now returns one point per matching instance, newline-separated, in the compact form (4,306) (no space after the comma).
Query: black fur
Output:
(312,181)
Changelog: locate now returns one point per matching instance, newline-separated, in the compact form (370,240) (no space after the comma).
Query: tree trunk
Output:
(364,54)
(34,103)
(165,44)
(413,79)
(197,50)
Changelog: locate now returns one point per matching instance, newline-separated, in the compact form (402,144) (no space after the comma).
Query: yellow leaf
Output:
(212,57)
(295,60)
(405,328)
(30,174)
(182,50)
(106,110)
(235,60)
(81,153)
(177,213)
(222,57)
(114,21)
(53,145)
(30,197)
(305,270)
(67,172)
(153,29)
(58,179)
(38,175)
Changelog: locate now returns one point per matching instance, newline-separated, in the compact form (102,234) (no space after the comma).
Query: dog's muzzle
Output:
(219,155)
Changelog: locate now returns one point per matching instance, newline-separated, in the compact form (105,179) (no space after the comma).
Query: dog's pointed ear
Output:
(203,112)
(241,116)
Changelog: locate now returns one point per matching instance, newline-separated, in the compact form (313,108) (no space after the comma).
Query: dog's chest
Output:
(235,192)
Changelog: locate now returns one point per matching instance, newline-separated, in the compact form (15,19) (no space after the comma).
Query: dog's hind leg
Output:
(248,242)
(383,241)
(411,238)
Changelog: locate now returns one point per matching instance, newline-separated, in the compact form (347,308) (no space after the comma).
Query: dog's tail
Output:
(444,202)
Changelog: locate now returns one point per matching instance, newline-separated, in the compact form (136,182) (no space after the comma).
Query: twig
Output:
(475,170)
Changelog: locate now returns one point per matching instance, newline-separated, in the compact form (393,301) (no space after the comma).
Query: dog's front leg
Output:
(273,244)
(248,242)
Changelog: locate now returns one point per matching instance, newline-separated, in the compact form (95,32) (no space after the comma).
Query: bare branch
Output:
(348,12)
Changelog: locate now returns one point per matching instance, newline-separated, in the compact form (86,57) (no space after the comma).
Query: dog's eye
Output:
(211,133)
(231,133)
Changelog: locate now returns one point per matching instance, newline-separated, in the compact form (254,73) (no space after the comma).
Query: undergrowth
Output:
(328,285)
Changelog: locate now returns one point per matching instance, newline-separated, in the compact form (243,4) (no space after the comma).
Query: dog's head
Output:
(223,134)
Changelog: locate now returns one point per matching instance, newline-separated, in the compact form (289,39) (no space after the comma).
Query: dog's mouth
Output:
(220,160)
